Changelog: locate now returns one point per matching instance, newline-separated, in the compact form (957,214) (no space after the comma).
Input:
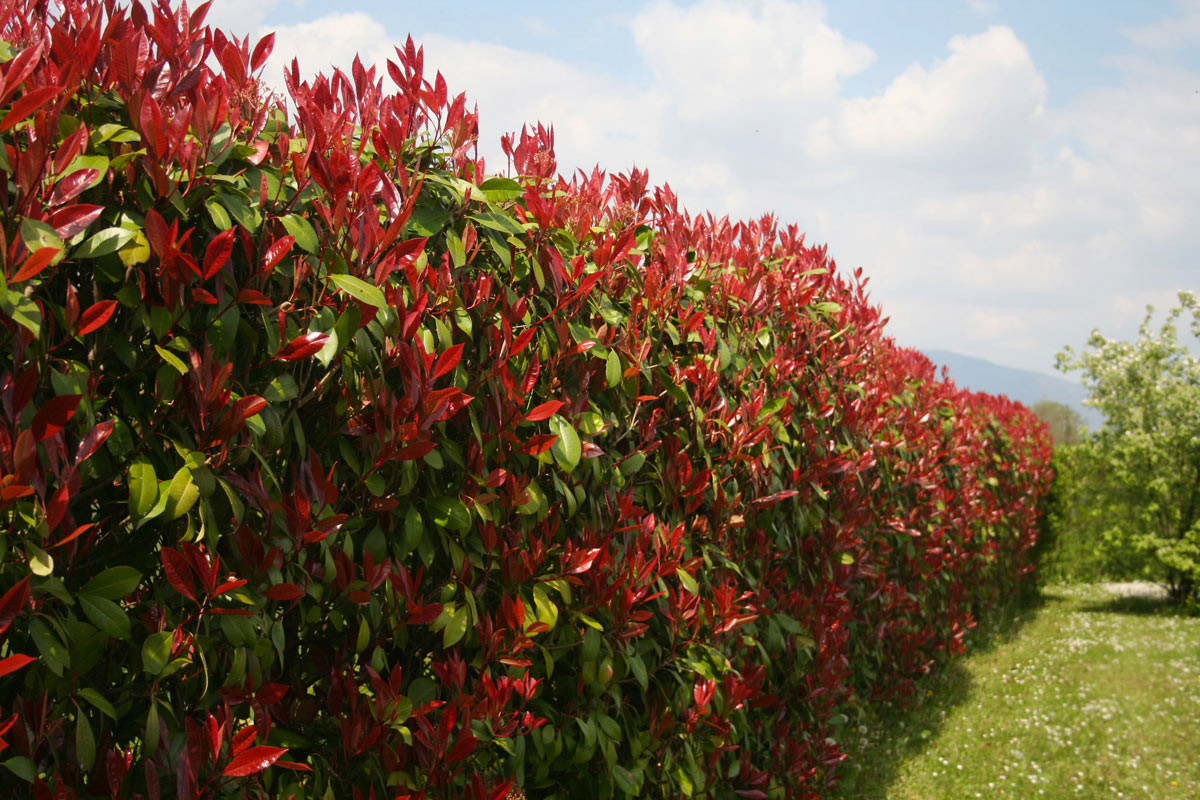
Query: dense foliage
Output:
(333,467)
(1132,490)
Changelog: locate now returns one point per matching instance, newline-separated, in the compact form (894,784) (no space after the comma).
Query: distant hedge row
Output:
(332,467)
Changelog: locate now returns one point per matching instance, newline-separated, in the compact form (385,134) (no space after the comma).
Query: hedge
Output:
(334,465)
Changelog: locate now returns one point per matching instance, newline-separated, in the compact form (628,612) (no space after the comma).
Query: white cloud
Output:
(990,222)
(983,103)
(1171,33)
(721,59)
(331,41)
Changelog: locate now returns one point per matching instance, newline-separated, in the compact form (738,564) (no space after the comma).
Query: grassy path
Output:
(1088,696)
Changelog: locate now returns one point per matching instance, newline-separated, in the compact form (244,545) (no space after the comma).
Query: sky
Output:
(1010,174)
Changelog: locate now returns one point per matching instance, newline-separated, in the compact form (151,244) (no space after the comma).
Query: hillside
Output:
(1022,385)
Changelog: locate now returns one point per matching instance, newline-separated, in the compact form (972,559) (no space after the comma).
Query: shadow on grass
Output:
(1141,606)
(902,731)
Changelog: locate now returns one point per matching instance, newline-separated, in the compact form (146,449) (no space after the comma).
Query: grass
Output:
(1087,696)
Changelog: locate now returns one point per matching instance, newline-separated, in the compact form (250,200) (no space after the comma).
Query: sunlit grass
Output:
(1087,696)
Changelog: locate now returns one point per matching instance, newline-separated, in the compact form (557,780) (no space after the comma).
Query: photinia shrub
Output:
(332,465)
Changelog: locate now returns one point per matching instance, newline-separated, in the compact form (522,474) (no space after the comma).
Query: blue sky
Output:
(1010,174)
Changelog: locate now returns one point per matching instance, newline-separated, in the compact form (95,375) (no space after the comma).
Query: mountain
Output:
(1023,385)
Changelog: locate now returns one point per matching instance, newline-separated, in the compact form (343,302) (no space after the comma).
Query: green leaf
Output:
(22,309)
(638,667)
(687,580)
(97,700)
(41,563)
(456,626)
(450,513)
(302,231)
(156,652)
(152,729)
(281,390)
(113,583)
(501,190)
(545,608)
(85,741)
(172,359)
(428,221)
(182,494)
(624,780)
(105,615)
(612,369)
(499,222)
(847,559)
(22,767)
(143,488)
(567,448)
(102,243)
(219,216)
(591,423)
(54,652)
(359,289)
(96,162)
(632,464)
(37,234)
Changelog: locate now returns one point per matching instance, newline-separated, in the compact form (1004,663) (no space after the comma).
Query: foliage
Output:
(333,467)
(1140,473)
(1063,422)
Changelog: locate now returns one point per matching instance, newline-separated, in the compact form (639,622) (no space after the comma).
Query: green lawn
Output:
(1087,696)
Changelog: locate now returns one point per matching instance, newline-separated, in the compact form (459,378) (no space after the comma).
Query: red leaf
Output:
(496,477)
(95,316)
(283,592)
(544,411)
(243,739)
(420,615)
(462,749)
(56,509)
(95,438)
(25,107)
(228,586)
(70,186)
(294,765)
(218,252)
(23,387)
(14,663)
(278,249)
(256,759)
(414,451)
(15,491)
(447,361)
(539,444)
(253,297)
(13,602)
(523,340)
(72,220)
(584,560)
(262,52)
(75,534)
(54,416)
(36,263)
(178,572)
(302,346)
(249,405)
(271,693)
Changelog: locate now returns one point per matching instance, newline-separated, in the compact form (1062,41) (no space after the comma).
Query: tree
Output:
(1063,421)
(1146,455)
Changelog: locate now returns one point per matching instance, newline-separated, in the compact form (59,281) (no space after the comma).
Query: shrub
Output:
(334,467)
(1134,481)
